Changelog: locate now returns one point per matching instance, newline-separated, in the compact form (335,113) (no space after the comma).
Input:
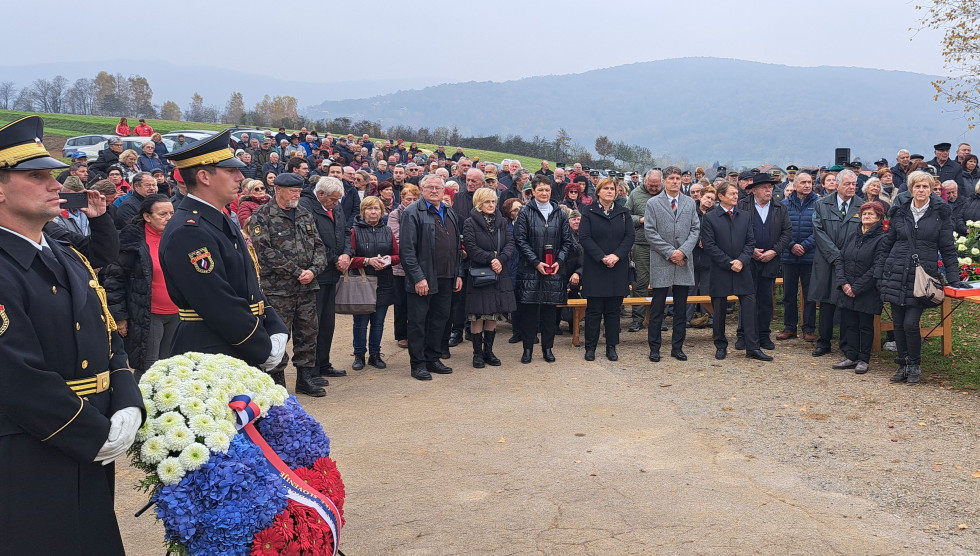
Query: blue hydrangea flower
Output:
(294,434)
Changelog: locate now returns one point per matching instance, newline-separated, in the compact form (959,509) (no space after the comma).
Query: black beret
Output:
(917,157)
(288,180)
(746,175)
(942,146)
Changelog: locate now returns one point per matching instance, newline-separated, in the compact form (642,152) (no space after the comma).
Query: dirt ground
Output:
(632,457)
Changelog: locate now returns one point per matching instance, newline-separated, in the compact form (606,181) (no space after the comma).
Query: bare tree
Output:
(8,91)
(234,110)
(80,98)
(24,100)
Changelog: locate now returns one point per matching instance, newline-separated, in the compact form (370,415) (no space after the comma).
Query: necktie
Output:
(731,216)
(843,208)
(49,260)
(330,213)
(673,205)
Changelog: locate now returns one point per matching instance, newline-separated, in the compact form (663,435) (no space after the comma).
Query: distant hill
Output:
(699,109)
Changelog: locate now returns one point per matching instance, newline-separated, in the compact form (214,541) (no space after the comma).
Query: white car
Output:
(134,143)
(81,142)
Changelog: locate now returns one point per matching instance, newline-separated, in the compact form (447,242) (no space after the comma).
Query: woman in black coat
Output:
(137,294)
(606,234)
(541,225)
(489,243)
(920,230)
(859,299)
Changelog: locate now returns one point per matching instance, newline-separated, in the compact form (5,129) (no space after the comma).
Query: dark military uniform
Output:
(60,383)
(287,243)
(210,275)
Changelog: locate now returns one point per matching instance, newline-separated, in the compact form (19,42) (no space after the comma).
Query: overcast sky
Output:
(451,41)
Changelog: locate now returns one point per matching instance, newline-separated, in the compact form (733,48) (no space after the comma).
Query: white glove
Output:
(123,426)
(278,351)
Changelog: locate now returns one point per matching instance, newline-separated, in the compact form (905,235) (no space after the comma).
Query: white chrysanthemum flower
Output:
(215,407)
(193,406)
(182,373)
(203,425)
(195,357)
(154,450)
(170,471)
(154,374)
(146,390)
(278,395)
(167,399)
(196,389)
(263,402)
(179,438)
(146,431)
(169,420)
(218,442)
(181,361)
(194,456)
(168,381)
(225,385)
(151,408)
(228,428)
(207,375)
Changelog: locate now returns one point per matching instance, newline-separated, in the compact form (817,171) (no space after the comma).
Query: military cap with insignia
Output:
(686,173)
(733,174)
(722,170)
(942,146)
(594,172)
(762,178)
(21,148)
(212,150)
(881,162)
(931,170)
(634,173)
(918,157)
(792,169)
(288,180)
(585,168)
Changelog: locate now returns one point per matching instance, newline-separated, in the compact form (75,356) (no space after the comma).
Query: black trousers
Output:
(858,328)
(825,325)
(764,288)
(908,338)
(747,304)
(325,298)
(599,309)
(401,308)
(536,316)
(793,276)
(658,302)
(427,319)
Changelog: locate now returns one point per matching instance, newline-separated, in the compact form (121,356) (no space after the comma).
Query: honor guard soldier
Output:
(69,404)
(207,267)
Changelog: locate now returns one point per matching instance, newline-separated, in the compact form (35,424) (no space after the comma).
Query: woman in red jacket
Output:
(122,128)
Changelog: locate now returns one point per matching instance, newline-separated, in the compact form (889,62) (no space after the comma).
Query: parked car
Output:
(190,136)
(76,143)
(134,143)
(236,135)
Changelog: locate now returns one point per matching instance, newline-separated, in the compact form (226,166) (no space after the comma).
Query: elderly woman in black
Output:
(489,243)
(606,234)
(543,238)
(920,233)
(858,298)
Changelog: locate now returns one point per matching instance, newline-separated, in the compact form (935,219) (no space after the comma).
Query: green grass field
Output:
(69,125)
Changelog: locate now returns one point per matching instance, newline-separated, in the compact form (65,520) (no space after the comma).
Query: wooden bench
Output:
(578,308)
(943,330)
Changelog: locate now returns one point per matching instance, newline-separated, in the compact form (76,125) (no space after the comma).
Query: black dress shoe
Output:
(358,362)
(678,355)
(526,357)
(375,361)
(332,372)
(548,355)
(420,373)
(740,344)
(635,326)
(455,338)
(758,355)
(767,344)
(590,354)
(820,350)
(438,367)
(721,353)
(516,338)
(445,355)
(655,356)
(611,353)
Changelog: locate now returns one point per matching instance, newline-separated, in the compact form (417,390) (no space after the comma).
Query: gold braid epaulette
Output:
(110,323)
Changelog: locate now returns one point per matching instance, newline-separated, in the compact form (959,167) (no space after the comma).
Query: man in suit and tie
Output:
(672,229)
(835,217)
(729,242)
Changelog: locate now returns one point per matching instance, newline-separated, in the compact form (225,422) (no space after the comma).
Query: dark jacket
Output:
(800,212)
(725,240)
(481,248)
(602,235)
(129,208)
(932,236)
(417,243)
(970,181)
(900,181)
(830,229)
(951,171)
(278,168)
(106,158)
(532,233)
(857,264)
(780,234)
(128,284)
(335,234)
(968,209)
(150,163)
(371,241)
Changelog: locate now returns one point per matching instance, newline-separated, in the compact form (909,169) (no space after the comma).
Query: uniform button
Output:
(54,289)
(194,211)
(78,326)
(84,364)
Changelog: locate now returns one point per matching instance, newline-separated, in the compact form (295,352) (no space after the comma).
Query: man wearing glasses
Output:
(432,258)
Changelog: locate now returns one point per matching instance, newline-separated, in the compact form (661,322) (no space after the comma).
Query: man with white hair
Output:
(901,169)
(504,176)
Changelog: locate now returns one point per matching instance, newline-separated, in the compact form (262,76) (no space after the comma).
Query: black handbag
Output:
(483,276)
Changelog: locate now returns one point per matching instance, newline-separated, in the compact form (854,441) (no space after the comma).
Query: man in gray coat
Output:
(835,217)
(636,203)
(672,228)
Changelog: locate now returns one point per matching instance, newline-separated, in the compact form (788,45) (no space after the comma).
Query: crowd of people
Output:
(458,245)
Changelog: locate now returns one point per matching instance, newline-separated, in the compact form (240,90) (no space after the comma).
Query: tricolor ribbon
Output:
(246,411)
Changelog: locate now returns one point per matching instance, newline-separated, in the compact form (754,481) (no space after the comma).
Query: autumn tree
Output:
(141,97)
(170,111)
(104,88)
(563,141)
(604,146)
(959,21)
(234,110)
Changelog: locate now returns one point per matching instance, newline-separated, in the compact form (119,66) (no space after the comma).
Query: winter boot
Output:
(279,378)
(478,362)
(915,374)
(304,386)
(488,356)
(902,373)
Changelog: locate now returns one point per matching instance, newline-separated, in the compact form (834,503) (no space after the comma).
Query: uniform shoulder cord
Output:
(110,323)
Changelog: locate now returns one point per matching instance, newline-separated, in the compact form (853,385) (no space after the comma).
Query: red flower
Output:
(884,224)
(313,478)
(65,213)
(268,542)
